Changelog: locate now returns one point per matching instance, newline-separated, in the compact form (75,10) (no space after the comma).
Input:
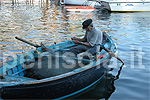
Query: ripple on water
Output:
(133,84)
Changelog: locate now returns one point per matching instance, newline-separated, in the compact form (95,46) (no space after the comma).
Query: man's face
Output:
(89,28)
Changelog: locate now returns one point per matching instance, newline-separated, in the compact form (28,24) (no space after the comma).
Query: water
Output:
(49,23)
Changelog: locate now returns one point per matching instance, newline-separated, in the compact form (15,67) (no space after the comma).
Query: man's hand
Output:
(78,39)
(76,42)
(74,38)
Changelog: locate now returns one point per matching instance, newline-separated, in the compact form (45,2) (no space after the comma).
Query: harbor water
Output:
(48,23)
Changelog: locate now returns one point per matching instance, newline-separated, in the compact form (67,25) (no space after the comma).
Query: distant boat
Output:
(127,5)
(79,8)
(90,3)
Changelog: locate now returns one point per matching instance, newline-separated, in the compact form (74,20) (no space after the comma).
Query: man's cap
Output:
(86,23)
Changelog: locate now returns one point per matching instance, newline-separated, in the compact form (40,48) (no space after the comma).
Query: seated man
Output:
(90,42)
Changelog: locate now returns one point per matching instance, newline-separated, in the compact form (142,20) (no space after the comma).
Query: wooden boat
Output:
(22,78)
(79,8)
(127,5)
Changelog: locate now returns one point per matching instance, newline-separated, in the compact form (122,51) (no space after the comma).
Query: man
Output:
(90,42)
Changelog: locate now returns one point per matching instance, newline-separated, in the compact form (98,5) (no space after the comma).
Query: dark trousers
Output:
(82,48)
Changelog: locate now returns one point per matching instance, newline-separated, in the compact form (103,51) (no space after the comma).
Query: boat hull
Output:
(79,8)
(129,6)
(79,3)
(72,2)
(57,89)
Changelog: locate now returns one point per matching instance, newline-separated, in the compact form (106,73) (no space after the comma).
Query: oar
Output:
(112,54)
(44,49)
(35,45)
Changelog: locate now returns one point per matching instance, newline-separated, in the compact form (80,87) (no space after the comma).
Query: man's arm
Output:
(87,44)
(78,42)
(75,38)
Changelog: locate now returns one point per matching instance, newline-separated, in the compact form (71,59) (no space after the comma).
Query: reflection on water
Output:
(38,23)
(29,21)
(42,22)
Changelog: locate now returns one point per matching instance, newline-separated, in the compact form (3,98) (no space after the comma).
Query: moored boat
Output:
(48,73)
(79,8)
(128,6)
(90,3)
